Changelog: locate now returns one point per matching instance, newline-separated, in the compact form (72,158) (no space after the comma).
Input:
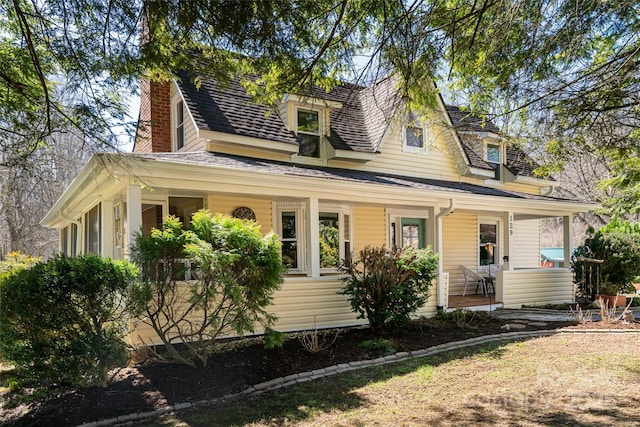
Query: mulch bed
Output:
(241,364)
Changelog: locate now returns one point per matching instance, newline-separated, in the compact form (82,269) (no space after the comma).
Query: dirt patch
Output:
(242,364)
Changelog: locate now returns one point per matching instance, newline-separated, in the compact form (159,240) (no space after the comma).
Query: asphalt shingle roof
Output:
(358,126)
(204,158)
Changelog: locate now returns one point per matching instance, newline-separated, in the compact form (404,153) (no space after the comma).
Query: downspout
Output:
(547,191)
(440,284)
(79,234)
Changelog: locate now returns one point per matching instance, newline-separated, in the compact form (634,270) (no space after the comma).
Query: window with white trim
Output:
(308,132)
(414,134)
(291,230)
(335,236)
(494,158)
(489,249)
(179,125)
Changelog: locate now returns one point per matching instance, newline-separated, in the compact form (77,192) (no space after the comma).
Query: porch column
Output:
(441,296)
(133,222)
(507,233)
(312,213)
(567,222)
(107,229)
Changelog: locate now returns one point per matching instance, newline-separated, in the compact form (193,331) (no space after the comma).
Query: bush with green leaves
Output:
(617,244)
(62,320)
(386,286)
(236,270)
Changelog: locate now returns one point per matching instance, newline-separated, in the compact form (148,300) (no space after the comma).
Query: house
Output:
(353,159)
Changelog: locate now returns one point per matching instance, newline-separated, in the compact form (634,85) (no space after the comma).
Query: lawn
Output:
(572,379)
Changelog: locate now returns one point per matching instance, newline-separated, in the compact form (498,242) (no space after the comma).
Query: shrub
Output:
(238,271)
(16,260)
(618,246)
(386,286)
(61,319)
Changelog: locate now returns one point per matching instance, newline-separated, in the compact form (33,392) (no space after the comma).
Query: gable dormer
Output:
(486,154)
(309,120)
(320,125)
(489,147)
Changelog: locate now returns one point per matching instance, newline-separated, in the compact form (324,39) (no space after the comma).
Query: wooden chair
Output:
(472,276)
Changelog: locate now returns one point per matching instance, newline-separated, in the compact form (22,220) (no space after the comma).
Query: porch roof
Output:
(100,177)
(205,158)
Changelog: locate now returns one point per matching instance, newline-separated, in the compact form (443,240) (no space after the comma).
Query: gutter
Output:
(440,302)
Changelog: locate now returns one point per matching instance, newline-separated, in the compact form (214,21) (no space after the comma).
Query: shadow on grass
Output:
(340,397)
(336,393)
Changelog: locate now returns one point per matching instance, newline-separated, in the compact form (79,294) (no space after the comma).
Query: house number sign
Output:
(511,225)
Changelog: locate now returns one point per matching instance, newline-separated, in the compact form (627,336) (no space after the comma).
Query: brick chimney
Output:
(154,124)
(153,134)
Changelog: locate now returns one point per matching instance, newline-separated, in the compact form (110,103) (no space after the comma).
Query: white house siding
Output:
(460,246)
(227,204)
(535,287)
(526,242)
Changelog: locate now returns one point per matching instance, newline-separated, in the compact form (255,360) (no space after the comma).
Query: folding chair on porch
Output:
(472,276)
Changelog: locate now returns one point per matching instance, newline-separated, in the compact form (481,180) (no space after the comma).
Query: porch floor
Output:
(459,301)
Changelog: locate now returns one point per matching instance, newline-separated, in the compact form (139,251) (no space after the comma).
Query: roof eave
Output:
(213,138)
(540,182)
(354,156)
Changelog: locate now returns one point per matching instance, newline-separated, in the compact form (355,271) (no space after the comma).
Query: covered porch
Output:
(503,250)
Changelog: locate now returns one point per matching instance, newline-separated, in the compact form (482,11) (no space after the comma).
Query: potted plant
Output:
(609,292)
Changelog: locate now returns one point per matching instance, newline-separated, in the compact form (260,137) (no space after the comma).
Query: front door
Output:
(413,232)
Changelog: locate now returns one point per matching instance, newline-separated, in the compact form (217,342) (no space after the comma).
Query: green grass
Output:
(561,380)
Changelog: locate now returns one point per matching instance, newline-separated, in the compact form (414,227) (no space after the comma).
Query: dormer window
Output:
(493,153)
(179,125)
(308,132)
(415,135)
(493,157)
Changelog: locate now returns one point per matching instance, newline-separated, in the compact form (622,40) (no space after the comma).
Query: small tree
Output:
(238,271)
(386,286)
(62,319)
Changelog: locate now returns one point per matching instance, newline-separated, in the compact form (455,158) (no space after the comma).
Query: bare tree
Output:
(29,189)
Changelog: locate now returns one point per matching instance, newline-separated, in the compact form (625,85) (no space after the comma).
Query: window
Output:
(329,240)
(493,158)
(334,239)
(179,125)
(308,131)
(185,207)
(335,236)
(414,137)
(290,224)
(73,246)
(64,240)
(290,247)
(92,231)
(489,250)
(152,216)
(413,232)
(407,228)
(493,153)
